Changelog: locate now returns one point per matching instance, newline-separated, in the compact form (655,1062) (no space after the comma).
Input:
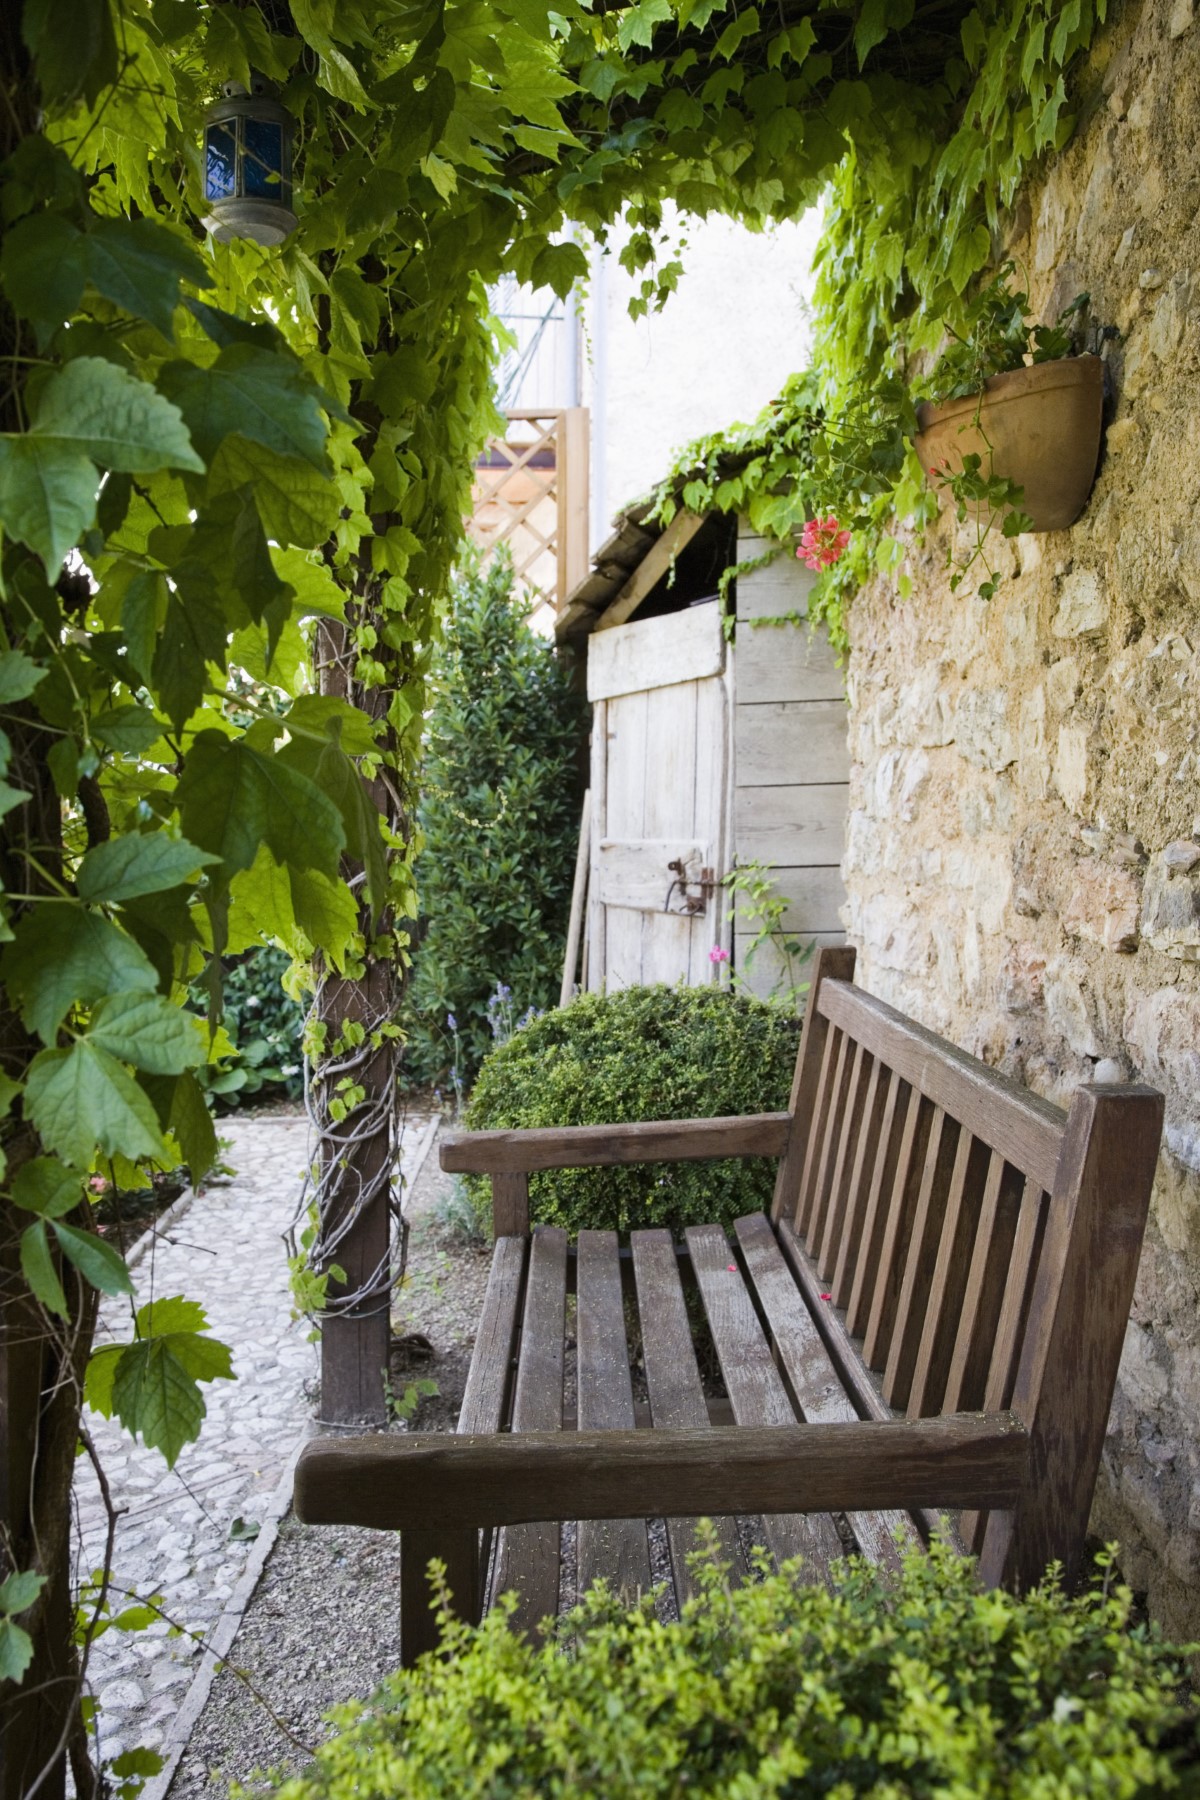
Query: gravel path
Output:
(323,1625)
(173,1537)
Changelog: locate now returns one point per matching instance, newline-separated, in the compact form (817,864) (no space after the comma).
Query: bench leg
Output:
(459,1550)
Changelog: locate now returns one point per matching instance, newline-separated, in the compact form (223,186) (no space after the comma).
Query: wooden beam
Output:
(414,1481)
(602,1146)
(578,900)
(651,569)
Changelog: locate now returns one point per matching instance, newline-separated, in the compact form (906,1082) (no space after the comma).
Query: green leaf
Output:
(98,1381)
(232,799)
(159,1318)
(43,1186)
(295,503)
(263,395)
(96,1261)
(37,1266)
(312,582)
(190,1124)
(73,47)
(142,862)
(61,955)
(19,1591)
(16,1651)
(143,611)
(47,496)
(154,1388)
(44,269)
(194,633)
(82,1100)
(19,675)
(129,729)
(94,407)
(139,265)
(149,1032)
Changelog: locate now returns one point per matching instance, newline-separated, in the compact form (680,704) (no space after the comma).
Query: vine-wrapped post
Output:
(353,1103)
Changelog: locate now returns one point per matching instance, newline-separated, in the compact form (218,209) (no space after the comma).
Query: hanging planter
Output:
(1038,427)
(248,166)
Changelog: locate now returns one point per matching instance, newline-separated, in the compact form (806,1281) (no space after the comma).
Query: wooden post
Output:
(571,458)
(1071,1350)
(510,1205)
(578,895)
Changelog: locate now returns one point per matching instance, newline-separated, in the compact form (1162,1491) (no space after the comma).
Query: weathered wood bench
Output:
(931,1317)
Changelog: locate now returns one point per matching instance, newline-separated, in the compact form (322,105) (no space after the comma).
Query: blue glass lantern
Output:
(248,166)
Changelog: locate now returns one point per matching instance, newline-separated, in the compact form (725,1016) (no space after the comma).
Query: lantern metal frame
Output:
(248,144)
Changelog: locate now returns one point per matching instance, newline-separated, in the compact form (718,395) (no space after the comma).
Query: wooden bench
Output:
(930,1318)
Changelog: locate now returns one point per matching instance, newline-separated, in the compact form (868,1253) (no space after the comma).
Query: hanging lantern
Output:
(248,166)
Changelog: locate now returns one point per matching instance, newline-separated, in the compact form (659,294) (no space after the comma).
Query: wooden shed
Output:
(716,742)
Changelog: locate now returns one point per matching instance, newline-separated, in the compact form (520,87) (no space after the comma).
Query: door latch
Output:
(692,903)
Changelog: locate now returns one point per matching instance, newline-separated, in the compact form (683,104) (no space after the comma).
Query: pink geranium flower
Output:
(717,955)
(822,542)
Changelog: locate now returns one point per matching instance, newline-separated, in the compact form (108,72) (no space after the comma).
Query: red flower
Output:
(822,542)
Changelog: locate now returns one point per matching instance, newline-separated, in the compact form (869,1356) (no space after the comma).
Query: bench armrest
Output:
(424,1480)
(593,1146)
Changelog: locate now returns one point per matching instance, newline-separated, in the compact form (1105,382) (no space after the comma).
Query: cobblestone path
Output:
(172,1540)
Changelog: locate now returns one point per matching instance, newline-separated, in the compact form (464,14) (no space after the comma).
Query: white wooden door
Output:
(660,781)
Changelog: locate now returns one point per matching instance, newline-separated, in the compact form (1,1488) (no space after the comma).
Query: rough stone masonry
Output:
(1023,857)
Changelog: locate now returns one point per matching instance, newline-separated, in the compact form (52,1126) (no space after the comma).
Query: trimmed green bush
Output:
(500,799)
(267,1026)
(642,1053)
(921,1687)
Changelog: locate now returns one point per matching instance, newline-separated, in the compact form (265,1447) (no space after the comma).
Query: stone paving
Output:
(173,1536)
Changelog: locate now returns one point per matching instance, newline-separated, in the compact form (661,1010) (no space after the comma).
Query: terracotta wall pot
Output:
(1043,425)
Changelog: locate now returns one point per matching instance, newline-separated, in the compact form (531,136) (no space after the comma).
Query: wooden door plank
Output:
(615,1549)
(527,1556)
(755,1386)
(944,1308)
(654,653)
(673,1380)
(791,738)
(815,1382)
(791,827)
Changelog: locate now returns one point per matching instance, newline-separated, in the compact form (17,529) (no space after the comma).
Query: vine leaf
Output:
(266,397)
(47,496)
(139,265)
(138,863)
(44,269)
(17,1595)
(114,418)
(153,1384)
(232,799)
(96,1261)
(61,955)
(43,1186)
(148,1031)
(37,1266)
(83,1099)
(19,675)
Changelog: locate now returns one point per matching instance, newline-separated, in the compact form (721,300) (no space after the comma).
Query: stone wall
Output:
(1023,859)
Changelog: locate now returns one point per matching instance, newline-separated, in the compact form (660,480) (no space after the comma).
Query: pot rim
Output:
(1014,384)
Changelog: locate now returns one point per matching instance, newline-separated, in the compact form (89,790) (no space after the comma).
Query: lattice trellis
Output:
(531,492)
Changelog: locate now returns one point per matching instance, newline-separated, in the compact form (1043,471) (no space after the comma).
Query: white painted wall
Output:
(723,346)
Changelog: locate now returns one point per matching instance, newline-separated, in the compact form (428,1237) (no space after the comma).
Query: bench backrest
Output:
(980,1243)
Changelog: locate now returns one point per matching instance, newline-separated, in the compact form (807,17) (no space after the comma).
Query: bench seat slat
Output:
(814,1380)
(527,1556)
(755,1386)
(613,1548)
(673,1379)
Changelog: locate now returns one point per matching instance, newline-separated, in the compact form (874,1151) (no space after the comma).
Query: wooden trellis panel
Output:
(531,493)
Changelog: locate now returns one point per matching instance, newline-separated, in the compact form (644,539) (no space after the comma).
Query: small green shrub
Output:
(922,1687)
(642,1053)
(265,1023)
(499,808)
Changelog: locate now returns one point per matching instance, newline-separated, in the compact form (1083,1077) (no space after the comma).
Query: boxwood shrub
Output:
(923,1686)
(641,1053)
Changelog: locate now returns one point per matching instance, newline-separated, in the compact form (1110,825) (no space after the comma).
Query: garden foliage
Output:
(265,1024)
(919,1689)
(499,814)
(641,1053)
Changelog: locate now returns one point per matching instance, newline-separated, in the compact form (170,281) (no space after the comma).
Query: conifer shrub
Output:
(499,810)
(641,1053)
(919,1687)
